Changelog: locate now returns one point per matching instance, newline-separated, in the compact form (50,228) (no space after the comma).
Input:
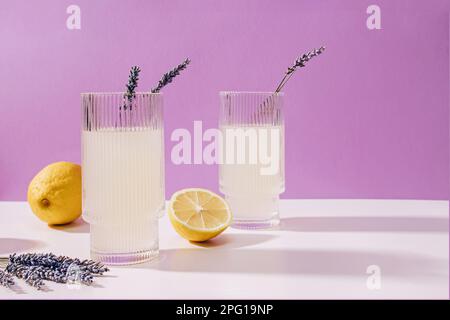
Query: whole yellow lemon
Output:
(54,194)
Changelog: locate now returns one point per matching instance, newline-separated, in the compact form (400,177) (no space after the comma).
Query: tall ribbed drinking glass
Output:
(123,174)
(251,173)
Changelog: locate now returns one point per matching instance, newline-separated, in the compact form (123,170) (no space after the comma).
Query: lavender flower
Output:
(131,86)
(6,279)
(132,83)
(34,268)
(35,282)
(299,63)
(27,273)
(266,107)
(169,76)
(60,263)
(303,59)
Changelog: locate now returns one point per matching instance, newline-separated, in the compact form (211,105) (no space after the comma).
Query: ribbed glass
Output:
(251,173)
(123,174)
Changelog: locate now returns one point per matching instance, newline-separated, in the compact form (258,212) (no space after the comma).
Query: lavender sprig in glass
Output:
(266,106)
(132,83)
(300,62)
(131,86)
(169,76)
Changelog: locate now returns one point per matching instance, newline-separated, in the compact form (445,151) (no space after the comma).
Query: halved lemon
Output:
(198,214)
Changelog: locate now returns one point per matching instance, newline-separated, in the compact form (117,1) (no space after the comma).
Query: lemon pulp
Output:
(198,214)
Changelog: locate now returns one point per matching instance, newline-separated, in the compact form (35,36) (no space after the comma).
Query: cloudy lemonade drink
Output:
(253,186)
(123,176)
(251,173)
(123,186)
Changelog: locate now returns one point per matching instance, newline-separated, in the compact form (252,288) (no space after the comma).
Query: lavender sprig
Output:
(35,275)
(60,263)
(131,86)
(27,273)
(169,76)
(266,107)
(34,268)
(6,279)
(299,63)
(132,83)
(57,275)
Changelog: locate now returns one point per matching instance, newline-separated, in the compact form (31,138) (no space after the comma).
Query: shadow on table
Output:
(365,224)
(235,240)
(17,289)
(78,226)
(12,245)
(279,261)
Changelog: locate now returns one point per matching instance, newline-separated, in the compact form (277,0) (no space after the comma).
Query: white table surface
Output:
(321,250)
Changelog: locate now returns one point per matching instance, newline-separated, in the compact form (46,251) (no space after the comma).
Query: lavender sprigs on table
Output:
(169,76)
(6,279)
(57,262)
(34,268)
(27,273)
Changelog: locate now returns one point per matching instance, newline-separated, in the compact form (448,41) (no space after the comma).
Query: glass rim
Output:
(104,93)
(222,93)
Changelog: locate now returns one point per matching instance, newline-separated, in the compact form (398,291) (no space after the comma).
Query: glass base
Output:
(254,211)
(256,224)
(120,259)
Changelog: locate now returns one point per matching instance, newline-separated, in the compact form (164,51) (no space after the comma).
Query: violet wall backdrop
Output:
(367,119)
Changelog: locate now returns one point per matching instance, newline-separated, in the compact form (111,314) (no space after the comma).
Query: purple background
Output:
(367,119)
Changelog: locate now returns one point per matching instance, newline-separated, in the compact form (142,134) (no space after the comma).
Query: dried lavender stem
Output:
(132,83)
(169,76)
(281,82)
(34,268)
(26,273)
(61,263)
(299,63)
(6,279)
(59,276)
(35,275)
